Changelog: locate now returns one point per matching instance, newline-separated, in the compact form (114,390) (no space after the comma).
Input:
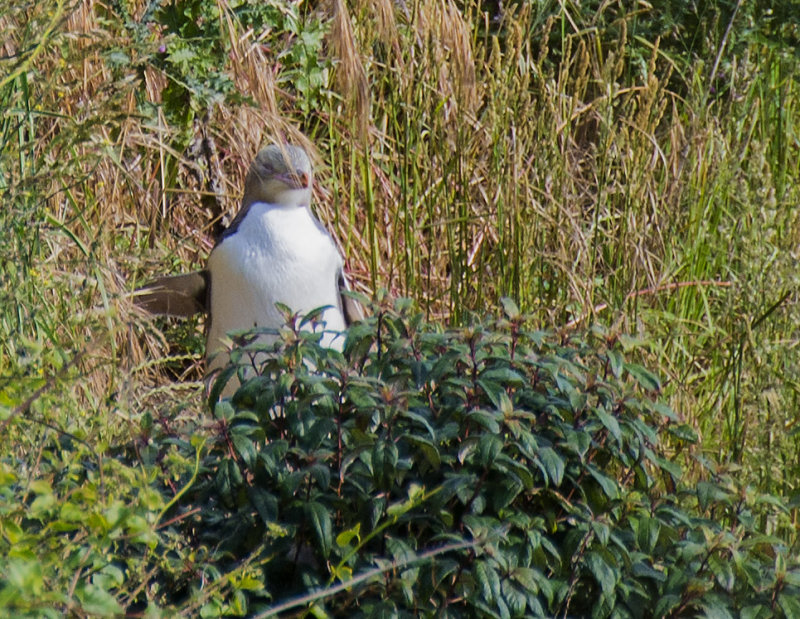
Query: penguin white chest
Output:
(276,255)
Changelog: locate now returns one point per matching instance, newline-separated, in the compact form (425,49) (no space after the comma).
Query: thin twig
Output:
(330,591)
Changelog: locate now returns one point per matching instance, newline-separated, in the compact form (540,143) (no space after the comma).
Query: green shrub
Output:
(76,533)
(490,470)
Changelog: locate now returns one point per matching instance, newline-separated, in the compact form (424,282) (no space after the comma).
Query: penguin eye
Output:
(263,168)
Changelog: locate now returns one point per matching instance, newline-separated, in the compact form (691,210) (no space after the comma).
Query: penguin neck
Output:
(280,230)
(288,198)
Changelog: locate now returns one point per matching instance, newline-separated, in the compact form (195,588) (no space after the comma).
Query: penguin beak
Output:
(297,180)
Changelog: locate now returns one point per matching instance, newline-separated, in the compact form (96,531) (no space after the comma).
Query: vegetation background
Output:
(626,164)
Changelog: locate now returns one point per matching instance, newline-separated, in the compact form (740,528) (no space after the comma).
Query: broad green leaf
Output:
(41,486)
(488,581)
(775,501)
(710,492)
(527,577)
(485,419)
(246,448)
(690,550)
(673,468)
(321,471)
(489,447)
(758,611)
(577,441)
(399,550)
(647,533)
(610,423)
(683,432)
(385,609)
(646,379)
(422,421)
(505,491)
(714,608)
(602,531)
(666,411)
(547,586)
(498,396)
(97,601)
(515,599)
(24,575)
(427,448)
(42,506)
(109,577)
(792,577)
(609,486)
(70,515)
(344,538)
(264,502)
(510,308)
(665,604)
(604,574)
(320,520)
(615,362)
(511,466)
(505,377)
(553,464)
(384,462)
(723,572)
(642,570)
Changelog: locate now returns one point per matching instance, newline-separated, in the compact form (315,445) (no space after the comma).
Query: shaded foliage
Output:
(490,470)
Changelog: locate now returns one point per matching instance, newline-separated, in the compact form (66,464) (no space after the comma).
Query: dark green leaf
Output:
(515,599)
(489,447)
(265,503)
(647,533)
(610,424)
(708,492)
(320,521)
(666,411)
(527,577)
(615,362)
(485,419)
(553,464)
(790,605)
(723,572)
(666,604)
(428,449)
(487,580)
(714,607)
(759,611)
(609,486)
(505,491)
(245,448)
(646,379)
(384,462)
(683,432)
(505,377)
(601,531)
(603,572)
(642,570)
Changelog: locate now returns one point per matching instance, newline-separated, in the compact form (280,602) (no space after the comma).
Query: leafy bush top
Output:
(490,470)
